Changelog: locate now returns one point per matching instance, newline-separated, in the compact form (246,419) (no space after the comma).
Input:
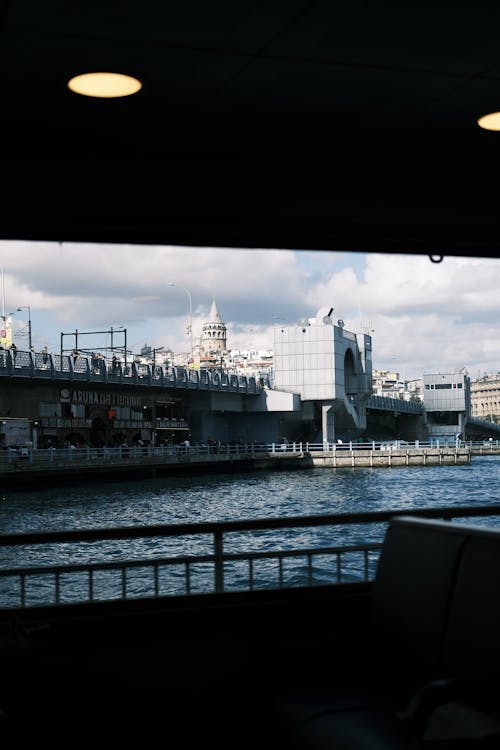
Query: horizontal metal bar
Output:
(188,559)
(227,527)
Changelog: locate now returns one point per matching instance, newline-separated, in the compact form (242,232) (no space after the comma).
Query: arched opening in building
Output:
(350,377)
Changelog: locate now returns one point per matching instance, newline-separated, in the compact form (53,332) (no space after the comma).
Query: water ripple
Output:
(227,497)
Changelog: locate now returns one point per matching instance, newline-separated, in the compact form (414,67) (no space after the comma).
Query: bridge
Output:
(482,426)
(387,404)
(43,366)
(391,416)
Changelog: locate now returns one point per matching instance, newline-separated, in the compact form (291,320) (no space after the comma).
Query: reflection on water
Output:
(222,498)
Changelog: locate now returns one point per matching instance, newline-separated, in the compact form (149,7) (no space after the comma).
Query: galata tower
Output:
(213,335)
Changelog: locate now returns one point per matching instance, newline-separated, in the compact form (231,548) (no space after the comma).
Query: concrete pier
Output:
(57,466)
(392,457)
(487,449)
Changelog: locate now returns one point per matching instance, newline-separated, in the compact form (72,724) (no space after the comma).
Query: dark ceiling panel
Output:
(301,124)
(446,37)
(243,26)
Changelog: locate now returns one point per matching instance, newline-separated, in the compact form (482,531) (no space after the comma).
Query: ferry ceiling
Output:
(299,124)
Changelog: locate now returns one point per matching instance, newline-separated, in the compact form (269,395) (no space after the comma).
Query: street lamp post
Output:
(190,326)
(156,349)
(27,307)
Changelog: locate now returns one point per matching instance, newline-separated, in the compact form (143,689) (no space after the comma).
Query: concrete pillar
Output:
(327,424)
(461,424)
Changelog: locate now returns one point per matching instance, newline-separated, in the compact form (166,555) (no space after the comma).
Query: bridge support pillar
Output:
(327,424)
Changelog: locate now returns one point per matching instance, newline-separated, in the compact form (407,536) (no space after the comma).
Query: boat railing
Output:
(211,557)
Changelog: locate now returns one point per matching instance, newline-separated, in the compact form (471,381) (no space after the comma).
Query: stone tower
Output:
(213,336)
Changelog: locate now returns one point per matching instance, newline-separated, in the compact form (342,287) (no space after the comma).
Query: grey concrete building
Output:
(330,369)
(447,400)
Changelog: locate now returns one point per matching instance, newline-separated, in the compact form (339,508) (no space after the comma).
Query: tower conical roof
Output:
(214,315)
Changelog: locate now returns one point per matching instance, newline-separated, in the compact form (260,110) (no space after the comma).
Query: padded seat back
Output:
(472,645)
(411,594)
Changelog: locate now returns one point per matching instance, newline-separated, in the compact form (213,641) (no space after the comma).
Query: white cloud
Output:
(426,316)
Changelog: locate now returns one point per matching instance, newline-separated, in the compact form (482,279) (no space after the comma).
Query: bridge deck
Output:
(42,366)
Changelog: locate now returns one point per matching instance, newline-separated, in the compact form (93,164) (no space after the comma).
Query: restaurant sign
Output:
(105,399)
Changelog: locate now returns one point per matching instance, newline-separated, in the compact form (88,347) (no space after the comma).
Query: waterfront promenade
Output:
(81,464)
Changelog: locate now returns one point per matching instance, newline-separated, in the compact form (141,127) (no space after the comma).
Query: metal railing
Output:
(40,365)
(396,444)
(389,403)
(14,459)
(220,575)
(29,459)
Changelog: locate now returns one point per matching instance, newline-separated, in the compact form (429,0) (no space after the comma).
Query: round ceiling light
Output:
(490,122)
(104,85)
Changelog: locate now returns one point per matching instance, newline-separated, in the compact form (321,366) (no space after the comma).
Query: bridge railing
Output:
(16,363)
(216,557)
(387,403)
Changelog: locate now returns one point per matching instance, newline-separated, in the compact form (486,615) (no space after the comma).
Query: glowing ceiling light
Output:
(104,85)
(490,122)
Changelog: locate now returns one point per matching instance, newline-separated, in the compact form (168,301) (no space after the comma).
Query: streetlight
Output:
(27,307)
(190,326)
(156,349)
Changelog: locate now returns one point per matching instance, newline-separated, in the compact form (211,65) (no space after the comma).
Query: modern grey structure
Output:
(447,402)
(330,369)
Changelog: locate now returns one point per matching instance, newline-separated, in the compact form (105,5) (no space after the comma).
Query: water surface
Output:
(225,497)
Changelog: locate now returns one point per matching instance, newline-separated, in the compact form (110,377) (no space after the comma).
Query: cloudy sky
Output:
(424,317)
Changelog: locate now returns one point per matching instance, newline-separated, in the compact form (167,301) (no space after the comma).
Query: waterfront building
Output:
(61,402)
(55,413)
(485,398)
(447,399)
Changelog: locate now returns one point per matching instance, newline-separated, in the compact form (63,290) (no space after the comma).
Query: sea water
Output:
(226,497)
